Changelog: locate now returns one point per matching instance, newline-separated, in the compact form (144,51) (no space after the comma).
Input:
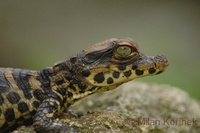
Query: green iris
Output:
(124,50)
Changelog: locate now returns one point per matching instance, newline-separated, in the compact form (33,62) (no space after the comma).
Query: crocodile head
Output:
(116,61)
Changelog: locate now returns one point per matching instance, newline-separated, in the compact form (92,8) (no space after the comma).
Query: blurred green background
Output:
(36,34)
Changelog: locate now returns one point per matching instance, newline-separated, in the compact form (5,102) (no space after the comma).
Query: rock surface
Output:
(134,107)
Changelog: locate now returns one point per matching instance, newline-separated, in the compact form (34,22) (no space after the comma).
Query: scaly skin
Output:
(33,97)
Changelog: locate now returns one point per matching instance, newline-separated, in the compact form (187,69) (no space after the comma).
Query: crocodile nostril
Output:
(161,59)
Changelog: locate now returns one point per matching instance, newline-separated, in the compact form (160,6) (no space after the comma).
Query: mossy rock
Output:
(134,107)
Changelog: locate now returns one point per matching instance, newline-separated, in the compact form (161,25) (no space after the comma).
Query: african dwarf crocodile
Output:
(34,97)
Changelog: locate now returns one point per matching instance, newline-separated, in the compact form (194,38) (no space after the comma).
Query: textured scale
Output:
(34,97)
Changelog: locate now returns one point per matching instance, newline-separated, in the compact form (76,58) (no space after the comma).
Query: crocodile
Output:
(30,97)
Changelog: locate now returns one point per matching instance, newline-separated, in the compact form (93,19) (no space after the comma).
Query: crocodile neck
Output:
(64,80)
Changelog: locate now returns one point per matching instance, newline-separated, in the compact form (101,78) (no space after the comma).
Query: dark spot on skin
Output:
(38,94)
(86,72)
(21,78)
(121,67)
(9,115)
(62,66)
(33,112)
(116,74)
(36,104)
(22,107)
(139,72)
(99,78)
(70,95)
(75,81)
(21,118)
(28,121)
(64,100)
(159,72)
(0,112)
(152,70)
(134,67)
(73,59)
(72,87)
(73,70)
(110,80)
(60,81)
(44,80)
(62,91)
(81,91)
(68,77)
(82,86)
(127,73)
(93,88)
(13,97)
(48,72)
(1,100)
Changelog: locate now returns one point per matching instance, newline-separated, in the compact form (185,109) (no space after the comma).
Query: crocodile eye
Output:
(124,50)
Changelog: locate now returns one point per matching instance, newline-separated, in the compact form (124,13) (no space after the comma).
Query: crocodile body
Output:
(34,97)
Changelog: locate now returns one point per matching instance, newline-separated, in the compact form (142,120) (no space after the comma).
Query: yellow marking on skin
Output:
(64,85)
(8,74)
(49,115)
(26,116)
(2,119)
(121,78)
(14,88)
(16,112)
(7,105)
(81,95)
(51,101)
(54,88)
(34,83)
(45,111)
